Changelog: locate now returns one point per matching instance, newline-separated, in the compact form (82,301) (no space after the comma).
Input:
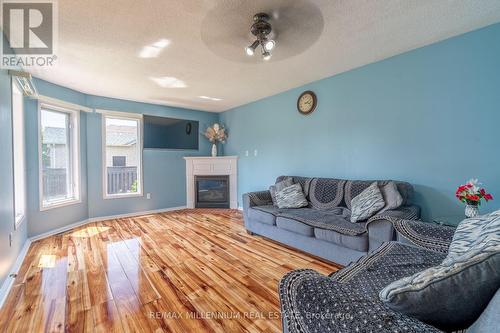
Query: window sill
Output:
(60,204)
(123,196)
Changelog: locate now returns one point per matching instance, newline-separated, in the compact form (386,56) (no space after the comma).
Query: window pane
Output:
(18,153)
(56,159)
(122,156)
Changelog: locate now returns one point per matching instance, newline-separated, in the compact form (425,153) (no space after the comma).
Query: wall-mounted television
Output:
(170,133)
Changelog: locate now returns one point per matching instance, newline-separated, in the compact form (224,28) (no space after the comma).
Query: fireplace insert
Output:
(212,191)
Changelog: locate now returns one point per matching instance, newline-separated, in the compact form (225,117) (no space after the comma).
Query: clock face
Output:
(307,102)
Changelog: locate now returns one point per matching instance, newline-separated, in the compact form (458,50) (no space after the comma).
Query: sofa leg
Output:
(250,233)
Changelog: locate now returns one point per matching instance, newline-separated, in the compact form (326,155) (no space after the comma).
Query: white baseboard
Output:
(9,281)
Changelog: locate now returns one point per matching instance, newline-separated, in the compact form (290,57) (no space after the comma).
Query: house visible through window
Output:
(119,161)
(18,154)
(59,156)
(122,156)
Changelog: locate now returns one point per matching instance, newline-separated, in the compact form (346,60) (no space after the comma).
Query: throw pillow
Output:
(392,197)
(452,295)
(367,203)
(291,197)
(278,187)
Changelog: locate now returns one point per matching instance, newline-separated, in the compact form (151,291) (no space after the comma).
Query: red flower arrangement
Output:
(471,194)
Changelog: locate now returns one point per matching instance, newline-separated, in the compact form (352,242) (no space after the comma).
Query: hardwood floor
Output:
(183,271)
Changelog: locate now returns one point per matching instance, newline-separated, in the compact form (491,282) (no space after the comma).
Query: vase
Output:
(214,150)
(471,211)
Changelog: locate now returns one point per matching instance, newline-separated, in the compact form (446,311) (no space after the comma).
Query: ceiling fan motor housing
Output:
(261,27)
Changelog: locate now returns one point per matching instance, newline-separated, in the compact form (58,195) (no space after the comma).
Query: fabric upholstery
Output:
(367,203)
(273,189)
(305,182)
(392,198)
(264,214)
(347,301)
(294,226)
(326,193)
(489,320)
(359,242)
(291,197)
(326,220)
(427,235)
(443,295)
(355,187)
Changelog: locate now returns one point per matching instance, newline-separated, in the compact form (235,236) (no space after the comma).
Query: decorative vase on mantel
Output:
(471,210)
(214,150)
(215,134)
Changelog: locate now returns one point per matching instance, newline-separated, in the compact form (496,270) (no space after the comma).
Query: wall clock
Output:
(307,101)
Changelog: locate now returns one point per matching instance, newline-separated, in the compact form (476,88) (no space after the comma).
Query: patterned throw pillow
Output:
(278,187)
(291,197)
(391,195)
(452,295)
(367,203)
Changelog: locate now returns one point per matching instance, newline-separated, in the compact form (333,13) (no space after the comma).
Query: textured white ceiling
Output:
(100,42)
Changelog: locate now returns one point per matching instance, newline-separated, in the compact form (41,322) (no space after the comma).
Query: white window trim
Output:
(18,220)
(140,174)
(75,147)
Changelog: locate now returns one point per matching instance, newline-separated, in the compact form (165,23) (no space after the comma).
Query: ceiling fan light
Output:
(269,44)
(250,50)
(266,55)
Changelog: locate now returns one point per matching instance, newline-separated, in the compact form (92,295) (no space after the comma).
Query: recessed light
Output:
(169,82)
(210,98)
(154,50)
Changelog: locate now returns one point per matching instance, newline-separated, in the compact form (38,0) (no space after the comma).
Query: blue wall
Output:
(430,116)
(164,171)
(8,254)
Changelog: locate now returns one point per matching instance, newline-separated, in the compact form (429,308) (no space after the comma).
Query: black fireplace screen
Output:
(212,191)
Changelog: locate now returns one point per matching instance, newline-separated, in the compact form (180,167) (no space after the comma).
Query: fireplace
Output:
(212,191)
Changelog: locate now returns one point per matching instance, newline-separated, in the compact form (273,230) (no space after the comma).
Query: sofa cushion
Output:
(392,198)
(453,294)
(264,214)
(355,187)
(294,226)
(291,197)
(334,219)
(326,193)
(305,182)
(273,189)
(367,203)
(358,243)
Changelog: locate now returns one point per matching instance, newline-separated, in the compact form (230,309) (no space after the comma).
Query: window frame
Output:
(140,173)
(74,135)
(18,220)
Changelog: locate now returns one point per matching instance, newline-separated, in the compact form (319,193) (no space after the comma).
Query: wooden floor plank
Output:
(181,271)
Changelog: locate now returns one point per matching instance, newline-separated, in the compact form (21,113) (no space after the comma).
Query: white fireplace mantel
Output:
(212,166)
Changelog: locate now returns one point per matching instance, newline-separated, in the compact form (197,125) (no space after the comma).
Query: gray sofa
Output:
(323,228)
(348,300)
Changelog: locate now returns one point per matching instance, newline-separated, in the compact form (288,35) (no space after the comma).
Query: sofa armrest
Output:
(252,199)
(427,235)
(381,226)
(260,198)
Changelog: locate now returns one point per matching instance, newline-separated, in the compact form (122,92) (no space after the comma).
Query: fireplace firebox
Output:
(212,191)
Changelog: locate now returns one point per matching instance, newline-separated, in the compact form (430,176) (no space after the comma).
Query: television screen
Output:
(170,133)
